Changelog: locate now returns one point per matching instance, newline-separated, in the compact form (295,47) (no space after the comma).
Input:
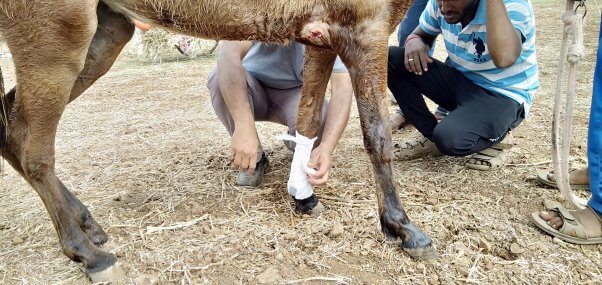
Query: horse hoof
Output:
(317,210)
(310,206)
(428,253)
(112,274)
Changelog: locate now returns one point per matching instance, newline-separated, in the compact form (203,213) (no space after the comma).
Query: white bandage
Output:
(298,185)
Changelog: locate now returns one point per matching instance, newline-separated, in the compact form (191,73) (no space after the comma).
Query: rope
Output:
(573,26)
(577,49)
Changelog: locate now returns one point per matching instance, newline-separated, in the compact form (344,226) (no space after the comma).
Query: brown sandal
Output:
(547,178)
(491,158)
(571,231)
(415,148)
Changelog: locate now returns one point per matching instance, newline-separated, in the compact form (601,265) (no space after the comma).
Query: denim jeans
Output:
(594,138)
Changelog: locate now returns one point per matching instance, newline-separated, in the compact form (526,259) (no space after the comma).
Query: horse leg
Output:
(366,56)
(318,63)
(45,79)
(112,34)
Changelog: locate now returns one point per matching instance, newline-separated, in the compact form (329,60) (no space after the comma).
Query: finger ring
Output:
(411,59)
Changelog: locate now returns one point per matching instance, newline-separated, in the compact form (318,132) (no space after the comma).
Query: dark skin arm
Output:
(416,51)
(504,49)
(503,40)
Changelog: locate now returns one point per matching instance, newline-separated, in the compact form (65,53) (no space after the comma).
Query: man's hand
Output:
(320,159)
(416,55)
(244,149)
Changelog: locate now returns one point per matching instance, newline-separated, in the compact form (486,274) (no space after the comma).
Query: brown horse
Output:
(61,47)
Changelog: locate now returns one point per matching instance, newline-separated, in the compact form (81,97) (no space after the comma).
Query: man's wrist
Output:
(245,124)
(328,146)
(411,37)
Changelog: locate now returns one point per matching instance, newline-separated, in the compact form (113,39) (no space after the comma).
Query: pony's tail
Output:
(3,121)
(6,103)
(3,114)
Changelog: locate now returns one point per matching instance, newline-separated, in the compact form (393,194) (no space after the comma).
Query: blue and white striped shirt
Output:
(467,50)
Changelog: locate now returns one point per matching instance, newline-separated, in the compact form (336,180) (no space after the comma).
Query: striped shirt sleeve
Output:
(521,16)
(429,20)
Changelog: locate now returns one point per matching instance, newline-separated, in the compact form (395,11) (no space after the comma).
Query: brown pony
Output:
(60,47)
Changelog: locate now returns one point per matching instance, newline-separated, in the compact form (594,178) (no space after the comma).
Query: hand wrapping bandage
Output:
(298,185)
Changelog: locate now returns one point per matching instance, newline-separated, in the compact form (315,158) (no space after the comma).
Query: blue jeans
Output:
(594,144)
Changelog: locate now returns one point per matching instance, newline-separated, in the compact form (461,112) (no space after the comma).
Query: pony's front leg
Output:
(316,72)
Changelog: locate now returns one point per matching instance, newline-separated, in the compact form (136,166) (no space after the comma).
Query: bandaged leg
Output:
(298,184)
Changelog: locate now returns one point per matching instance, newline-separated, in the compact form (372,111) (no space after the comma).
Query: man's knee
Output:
(396,68)
(396,54)
(218,103)
(213,82)
(453,141)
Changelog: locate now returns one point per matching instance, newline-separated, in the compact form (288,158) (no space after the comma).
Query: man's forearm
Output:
(233,84)
(338,110)
(426,38)
(503,40)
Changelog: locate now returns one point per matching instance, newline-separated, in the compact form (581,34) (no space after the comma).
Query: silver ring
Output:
(410,60)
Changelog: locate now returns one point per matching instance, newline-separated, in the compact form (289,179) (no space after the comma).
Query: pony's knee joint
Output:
(35,169)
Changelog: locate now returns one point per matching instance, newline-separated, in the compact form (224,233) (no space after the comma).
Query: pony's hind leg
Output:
(47,64)
(112,34)
(367,62)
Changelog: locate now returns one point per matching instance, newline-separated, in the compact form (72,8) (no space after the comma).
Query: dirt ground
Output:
(143,148)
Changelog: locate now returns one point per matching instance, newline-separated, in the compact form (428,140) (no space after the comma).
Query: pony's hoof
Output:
(317,210)
(112,274)
(309,206)
(428,253)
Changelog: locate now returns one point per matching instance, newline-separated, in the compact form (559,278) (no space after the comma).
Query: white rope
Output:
(573,26)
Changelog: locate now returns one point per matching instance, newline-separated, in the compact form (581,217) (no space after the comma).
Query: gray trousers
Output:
(267,104)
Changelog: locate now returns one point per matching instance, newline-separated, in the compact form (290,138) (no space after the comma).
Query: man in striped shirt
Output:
(487,82)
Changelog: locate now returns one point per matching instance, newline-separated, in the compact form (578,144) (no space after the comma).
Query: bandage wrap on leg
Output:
(298,185)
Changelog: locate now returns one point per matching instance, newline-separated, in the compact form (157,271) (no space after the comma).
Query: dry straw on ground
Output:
(144,151)
(157,45)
